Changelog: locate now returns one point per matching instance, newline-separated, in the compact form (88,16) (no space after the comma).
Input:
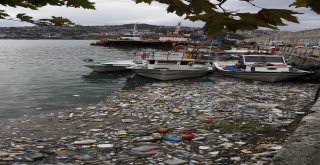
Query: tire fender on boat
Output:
(199,56)
(143,55)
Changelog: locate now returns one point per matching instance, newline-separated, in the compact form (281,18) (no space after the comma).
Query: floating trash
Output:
(191,122)
(172,138)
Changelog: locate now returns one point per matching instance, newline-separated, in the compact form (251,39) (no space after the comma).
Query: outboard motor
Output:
(88,60)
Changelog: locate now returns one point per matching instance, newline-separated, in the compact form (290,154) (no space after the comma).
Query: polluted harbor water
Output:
(225,121)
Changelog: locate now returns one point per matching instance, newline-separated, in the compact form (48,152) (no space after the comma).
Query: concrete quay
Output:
(303,58)
(292,38)
(303,146)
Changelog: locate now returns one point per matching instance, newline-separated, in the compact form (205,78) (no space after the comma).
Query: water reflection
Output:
(95,77)
(135,81)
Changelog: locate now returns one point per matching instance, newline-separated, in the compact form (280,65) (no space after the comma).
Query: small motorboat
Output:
(171,65)
(110,66)
(270,68)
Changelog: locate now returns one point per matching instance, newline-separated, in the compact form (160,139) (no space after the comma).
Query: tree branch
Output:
(220,5)
(251,3)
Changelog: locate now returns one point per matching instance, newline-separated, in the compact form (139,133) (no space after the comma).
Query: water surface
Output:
(39,76)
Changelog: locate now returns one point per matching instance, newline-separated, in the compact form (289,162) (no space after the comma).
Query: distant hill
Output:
(79,32)
(98,32)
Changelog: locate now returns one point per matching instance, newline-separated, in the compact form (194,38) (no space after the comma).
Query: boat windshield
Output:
(264,59)
(131,35)
(167,62)
(274,60)
(254,59)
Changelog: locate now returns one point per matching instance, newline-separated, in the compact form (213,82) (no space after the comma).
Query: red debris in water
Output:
(220,110)
(186,131)
(188,137)
(208,121)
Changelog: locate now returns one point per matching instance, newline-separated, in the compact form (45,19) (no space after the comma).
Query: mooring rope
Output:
(317,94)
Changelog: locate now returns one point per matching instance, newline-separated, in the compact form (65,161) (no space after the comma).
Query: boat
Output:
(132,36)
(135,39)
(269,68)
(176,37)
(171,65)
(109,66)
(216,55)
(138,43)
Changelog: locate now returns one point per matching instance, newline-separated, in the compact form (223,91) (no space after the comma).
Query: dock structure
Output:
(292,42)
(291,38)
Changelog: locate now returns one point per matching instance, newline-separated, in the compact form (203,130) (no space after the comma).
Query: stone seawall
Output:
(303,147)
(303,58)
(292,38)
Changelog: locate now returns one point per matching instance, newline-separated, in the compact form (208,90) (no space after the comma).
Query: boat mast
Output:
(211,43)
(135,29)
(177,28)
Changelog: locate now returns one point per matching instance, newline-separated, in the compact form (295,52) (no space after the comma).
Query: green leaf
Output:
(54,21)
(145,1)
(218,22)
(25,18)
(3,14)
(202,17)
(199,6)
(314,5)
(35,4)
(80,3)
(274,16)
(59,21)
(176,6)
(214,26)
(299,3)
(251,21)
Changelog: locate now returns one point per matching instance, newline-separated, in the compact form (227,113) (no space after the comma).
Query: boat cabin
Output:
(131,36)
(134,35)
(264,63)
(175,38)
(173,60)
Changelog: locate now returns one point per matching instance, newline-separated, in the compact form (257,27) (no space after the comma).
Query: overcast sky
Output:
(116,12)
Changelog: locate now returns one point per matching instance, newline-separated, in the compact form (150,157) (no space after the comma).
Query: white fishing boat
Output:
(171,65)
(133,36)
(270,68)
(176,36)
(110,66)
(217,55)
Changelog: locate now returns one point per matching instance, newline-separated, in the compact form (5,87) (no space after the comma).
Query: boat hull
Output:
(106,68)
(120,65)
(166,74)
(265,76)
(139,43)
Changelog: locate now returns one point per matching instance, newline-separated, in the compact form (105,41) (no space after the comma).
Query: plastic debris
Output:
(225,121)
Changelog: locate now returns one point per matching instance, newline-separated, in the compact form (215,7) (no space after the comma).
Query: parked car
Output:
(299,46)
(312,45)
